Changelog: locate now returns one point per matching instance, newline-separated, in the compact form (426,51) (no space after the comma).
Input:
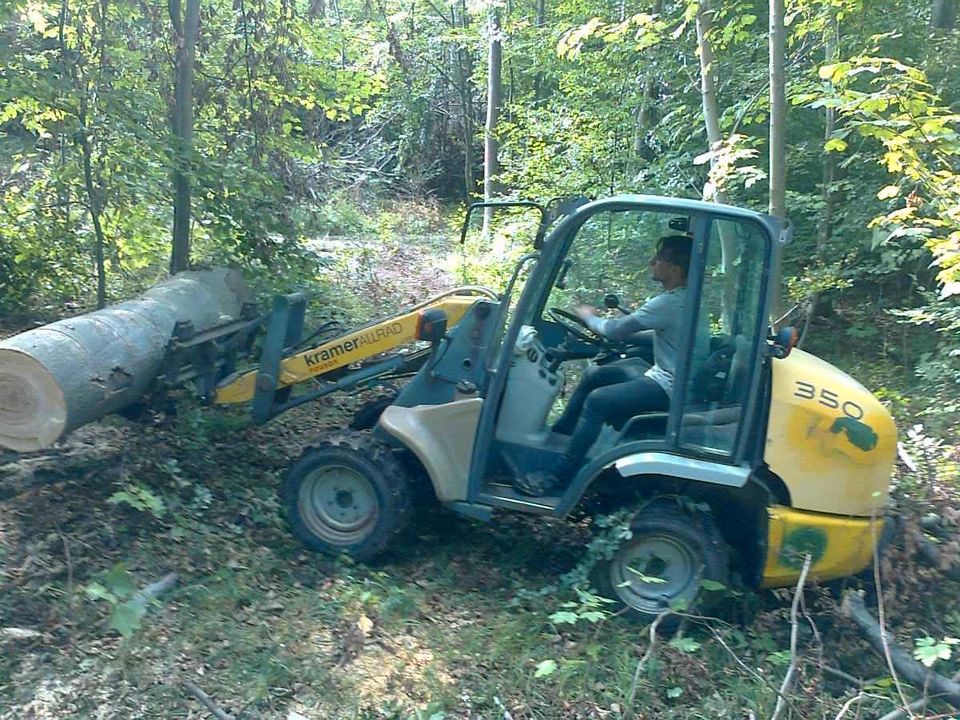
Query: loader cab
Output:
(604,249)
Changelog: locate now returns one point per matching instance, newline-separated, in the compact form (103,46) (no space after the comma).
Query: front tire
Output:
(663,565)
(346,494)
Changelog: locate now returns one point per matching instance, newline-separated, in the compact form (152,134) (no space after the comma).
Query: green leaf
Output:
(545,668)
(712,585)
(928,650)
(674,692)
(835,145)
(834,72)
(890,191)
(564,618)
(685,644)
(125,618)
(118,581)
(96,591)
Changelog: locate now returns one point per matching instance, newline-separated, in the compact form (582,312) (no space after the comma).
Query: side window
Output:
(727,337)
(610,253)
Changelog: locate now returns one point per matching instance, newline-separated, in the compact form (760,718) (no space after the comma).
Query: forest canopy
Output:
(234,132)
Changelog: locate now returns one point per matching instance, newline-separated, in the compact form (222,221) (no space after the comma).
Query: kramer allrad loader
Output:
(764,456)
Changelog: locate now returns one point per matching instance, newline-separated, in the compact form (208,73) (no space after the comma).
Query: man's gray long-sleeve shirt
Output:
(664,315)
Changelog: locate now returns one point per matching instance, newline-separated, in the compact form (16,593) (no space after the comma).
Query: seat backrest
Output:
(733,389)
(709,383)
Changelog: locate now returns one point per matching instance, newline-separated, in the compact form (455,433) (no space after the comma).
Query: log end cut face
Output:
(32,406)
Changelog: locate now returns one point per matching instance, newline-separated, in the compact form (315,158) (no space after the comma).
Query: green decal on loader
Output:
(858,433)
(802,542)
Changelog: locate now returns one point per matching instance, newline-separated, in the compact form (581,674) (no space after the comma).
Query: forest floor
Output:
(454,622)
(440,627)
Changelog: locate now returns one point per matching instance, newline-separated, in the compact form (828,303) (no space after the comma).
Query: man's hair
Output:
(676,250)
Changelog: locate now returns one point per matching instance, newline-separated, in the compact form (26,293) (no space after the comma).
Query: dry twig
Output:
(794,634)
(628,711)
(916,706)
(206,700)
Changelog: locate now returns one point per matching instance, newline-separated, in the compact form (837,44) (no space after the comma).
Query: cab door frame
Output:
(533,298)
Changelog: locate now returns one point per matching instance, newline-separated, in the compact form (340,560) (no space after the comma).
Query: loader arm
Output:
(371,340)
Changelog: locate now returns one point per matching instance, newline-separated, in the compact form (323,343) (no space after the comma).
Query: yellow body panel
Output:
(831,442)
(345,350)
(839,546)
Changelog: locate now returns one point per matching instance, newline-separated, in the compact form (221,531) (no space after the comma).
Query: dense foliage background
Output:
(310,118)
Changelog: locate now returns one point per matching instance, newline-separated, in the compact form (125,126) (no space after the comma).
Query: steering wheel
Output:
(575,325)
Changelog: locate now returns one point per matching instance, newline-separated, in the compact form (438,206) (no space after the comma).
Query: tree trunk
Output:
(186,30)
(464,73)
(645,113)
(778,112)
(711,121)
(491,164)
(94,204)
(94,195)
(64,375)
(943,14)
(539,22)
(708,90)
(825,227)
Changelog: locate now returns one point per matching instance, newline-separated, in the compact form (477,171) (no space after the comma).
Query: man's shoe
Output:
(537,484)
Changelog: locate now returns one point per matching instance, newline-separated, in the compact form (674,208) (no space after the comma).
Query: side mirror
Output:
(612,302)
(784,341)
(432,325)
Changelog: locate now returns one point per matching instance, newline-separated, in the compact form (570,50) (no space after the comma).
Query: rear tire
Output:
(346,494)
(671,544)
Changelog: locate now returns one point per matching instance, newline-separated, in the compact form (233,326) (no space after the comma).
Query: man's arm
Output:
(649,316)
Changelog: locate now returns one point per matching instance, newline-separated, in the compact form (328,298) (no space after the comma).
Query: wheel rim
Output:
(338,504)
(641,561)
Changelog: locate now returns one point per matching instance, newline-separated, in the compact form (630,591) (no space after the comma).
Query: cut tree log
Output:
(60,376)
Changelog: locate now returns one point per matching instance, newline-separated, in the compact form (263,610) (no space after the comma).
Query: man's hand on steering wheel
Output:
(576,326)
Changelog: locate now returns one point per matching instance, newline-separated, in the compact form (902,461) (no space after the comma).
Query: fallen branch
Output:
(836,672)
(628,711)
(207,701)
(15,633)
(913,707)
(918,675)
(794,633)
(932,556)
(156,589)
(855,700)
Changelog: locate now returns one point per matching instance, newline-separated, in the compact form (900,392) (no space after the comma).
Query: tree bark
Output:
(711,121)
(186,29)
(64,375)
(491,164)
(778,112)
(943,14)
(647,97)
(708,90)
(539,22)
(94,205)
(825,227)
(464,73)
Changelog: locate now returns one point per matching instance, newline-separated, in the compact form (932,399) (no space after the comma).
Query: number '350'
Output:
(828,398)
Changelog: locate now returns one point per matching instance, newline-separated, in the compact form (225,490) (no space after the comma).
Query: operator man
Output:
(616,392)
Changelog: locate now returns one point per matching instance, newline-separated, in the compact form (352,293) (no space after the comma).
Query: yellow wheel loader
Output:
(764,457)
